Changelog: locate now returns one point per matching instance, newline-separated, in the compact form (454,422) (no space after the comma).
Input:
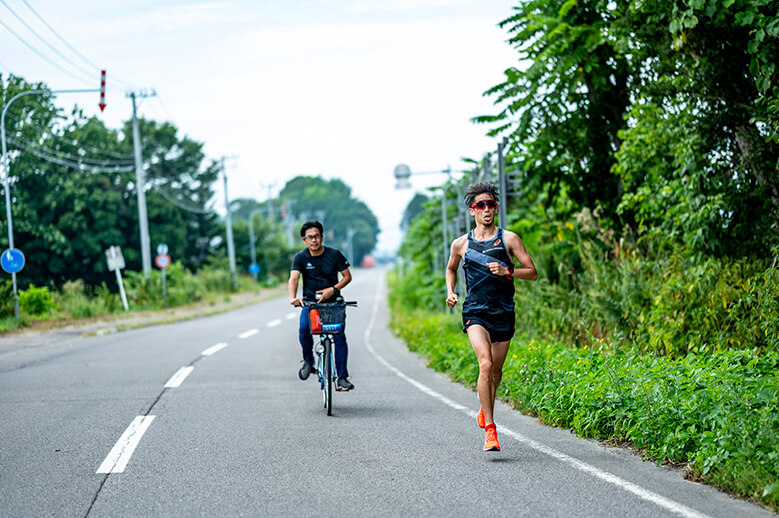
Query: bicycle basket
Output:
(327,318)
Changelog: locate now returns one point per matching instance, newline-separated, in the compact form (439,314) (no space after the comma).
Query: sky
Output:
(333,88)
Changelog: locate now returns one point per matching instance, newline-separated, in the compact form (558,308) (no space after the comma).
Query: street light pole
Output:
(402,174)
(7,171)
(252,248)
(229,225)
(502,191)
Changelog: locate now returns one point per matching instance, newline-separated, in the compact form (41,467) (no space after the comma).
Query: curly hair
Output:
(476,189)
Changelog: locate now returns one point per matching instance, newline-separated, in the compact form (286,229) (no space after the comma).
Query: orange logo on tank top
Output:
(496,243)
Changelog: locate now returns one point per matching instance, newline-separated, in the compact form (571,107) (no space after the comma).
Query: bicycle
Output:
(326,320)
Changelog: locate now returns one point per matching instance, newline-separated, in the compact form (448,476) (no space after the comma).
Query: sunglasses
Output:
(484,204)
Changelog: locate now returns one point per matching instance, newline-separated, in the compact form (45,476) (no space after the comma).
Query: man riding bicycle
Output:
(319,265)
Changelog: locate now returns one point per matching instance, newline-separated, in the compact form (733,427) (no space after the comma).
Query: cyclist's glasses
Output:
(313,237)
(485,204)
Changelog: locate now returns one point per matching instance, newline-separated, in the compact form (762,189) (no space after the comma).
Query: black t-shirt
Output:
(320,271)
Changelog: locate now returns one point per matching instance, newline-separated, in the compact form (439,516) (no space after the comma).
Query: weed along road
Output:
(207,417)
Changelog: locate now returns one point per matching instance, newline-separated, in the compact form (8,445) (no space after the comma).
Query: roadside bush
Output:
(216,279)
(74,299)
(181,285)
(36,301)
(665,305)
(143,292)
(112,302)
(717,413)
(6,299)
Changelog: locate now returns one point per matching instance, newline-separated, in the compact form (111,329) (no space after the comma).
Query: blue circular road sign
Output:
(254,268)
(12,260)
(162,249)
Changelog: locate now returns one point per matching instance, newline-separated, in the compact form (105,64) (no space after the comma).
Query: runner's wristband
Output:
(336,291)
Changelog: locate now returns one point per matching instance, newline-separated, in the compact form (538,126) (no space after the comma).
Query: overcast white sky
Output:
(336,88)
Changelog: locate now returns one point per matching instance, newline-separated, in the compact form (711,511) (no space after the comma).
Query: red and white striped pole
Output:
(102,90)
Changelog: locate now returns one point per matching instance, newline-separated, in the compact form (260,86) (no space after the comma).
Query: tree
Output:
(663,114)
(331,203)
(63,210)
(570,94)
(414,208)
(700,153)
(74,191)
(179,200)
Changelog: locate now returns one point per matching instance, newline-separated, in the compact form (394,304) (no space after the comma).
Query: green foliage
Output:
(663,114)
(35,301)
(564,104)
(666,305)
(6,299)
(66,214)
(272,250)
(181,286)
(75,301)
(331,202)
(717,413)
(422,269)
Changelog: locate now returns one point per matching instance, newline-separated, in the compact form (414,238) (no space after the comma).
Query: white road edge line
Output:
(274,323)
(639,491)
(120,454)
(178,378)
(214,349)
(247,334)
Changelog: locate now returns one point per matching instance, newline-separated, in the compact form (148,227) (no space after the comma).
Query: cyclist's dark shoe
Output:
(305,370)
(344,385)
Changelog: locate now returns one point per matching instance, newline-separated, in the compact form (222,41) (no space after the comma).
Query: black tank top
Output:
(487,293)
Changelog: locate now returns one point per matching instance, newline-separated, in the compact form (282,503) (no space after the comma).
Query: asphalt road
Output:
(208,418)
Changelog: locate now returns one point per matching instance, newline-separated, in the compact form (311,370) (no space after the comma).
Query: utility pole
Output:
(229,225)
(502,190)
(252,247)
(269,201)
(140,182)
(350,243)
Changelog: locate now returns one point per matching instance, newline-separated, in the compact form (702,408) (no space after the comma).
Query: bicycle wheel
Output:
(327,389)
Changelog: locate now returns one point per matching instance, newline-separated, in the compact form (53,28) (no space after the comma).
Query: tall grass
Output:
(716,413)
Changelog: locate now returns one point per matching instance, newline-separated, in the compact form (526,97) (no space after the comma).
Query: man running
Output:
(487,253)
(319,265)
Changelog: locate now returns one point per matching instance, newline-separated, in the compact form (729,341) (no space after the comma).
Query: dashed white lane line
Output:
(274,323)
(247,334)
(214,349)
(178,378)
(120,454)
(644,494)
(290,316)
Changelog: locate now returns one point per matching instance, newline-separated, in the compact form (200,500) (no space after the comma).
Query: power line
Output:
(49,45)
(125,157)
(75,158)
(189,208)
(72,162)
(45,58)
(68,45)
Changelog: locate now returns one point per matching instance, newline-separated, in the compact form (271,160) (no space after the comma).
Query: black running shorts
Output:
(500,326)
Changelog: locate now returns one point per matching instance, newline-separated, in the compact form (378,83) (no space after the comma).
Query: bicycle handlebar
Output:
(337,302)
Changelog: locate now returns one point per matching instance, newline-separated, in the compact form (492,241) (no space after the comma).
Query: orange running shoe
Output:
(491,438)
(480,418)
